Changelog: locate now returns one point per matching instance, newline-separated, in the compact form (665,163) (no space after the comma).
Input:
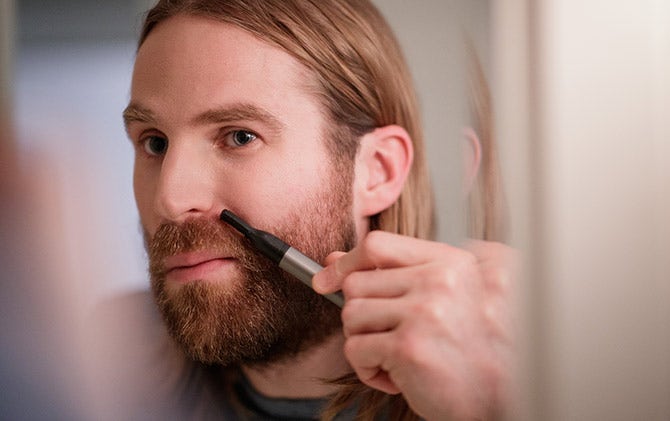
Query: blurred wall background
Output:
(582,102)
(73,61)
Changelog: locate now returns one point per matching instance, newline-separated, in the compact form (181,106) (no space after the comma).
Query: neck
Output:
(305,376)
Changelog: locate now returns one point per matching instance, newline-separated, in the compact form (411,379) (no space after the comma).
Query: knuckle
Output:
(440,279)
(409,348)
(465,258)
(490,311)
(350,349)
(498,280)
(350,286)
(447,279)
(441,319)
(431,310)
(349,311)
(448,275)
(375,237)
(370,241)
(373,244)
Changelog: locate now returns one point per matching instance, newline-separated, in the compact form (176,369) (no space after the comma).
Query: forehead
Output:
(186,60)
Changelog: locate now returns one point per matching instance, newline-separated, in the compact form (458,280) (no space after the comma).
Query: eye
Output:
(240,137)
(155,145)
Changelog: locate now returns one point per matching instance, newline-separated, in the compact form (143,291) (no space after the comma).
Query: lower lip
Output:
(209,270)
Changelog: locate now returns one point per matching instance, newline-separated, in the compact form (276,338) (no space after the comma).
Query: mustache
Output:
(197,235)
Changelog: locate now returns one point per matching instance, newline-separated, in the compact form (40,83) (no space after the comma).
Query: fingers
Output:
(384,283)
(497,263)
(361,316)
(419,312)
(332,257)
(497,321)
(367,354)
(383,250)
(499,268)
(365,283)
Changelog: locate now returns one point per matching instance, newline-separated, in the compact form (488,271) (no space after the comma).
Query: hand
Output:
(427,320)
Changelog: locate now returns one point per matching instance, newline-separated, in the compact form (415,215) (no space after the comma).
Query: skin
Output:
(421,318)
(420,313)
(180,75)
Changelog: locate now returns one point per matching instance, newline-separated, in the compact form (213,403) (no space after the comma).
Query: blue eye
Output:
(241,137)
(155,145)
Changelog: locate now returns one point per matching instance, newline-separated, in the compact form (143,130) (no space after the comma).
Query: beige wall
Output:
(583,100)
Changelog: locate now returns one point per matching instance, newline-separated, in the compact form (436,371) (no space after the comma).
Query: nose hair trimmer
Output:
(282,254)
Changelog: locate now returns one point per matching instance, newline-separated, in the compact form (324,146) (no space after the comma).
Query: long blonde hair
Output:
(362,78)
(363,82)
(487,212)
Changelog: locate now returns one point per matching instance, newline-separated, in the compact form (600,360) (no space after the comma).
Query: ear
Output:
(382,165)
(472,157)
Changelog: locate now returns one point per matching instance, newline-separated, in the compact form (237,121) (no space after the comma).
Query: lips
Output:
(194,266)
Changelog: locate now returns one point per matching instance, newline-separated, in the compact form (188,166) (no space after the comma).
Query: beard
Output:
(263,315)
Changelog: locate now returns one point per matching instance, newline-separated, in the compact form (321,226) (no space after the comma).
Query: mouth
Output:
(197,266)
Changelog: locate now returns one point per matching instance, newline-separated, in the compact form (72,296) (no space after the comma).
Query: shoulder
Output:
(128,328)
(144,373)
(137,365)
(129,322)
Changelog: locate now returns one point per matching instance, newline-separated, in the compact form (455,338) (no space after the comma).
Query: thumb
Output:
(326,281)
(332,257)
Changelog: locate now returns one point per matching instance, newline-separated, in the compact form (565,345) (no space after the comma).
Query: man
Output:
(300,117)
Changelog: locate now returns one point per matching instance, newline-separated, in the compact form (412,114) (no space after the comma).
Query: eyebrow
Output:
(136,113)
(237,112)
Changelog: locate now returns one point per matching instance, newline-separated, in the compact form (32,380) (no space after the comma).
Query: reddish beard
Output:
(264,315)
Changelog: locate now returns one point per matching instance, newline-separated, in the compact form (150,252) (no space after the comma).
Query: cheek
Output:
(144,189)
(270,193)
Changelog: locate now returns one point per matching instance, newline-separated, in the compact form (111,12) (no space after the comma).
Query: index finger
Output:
(385,250)
(382,250)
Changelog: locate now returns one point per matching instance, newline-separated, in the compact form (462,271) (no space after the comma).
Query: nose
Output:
(186,186)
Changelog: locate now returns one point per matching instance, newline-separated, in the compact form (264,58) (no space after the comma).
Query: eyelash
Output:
(228,137)
(231,135)
(145,142)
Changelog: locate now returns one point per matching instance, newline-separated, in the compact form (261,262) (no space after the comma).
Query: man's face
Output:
(221,120)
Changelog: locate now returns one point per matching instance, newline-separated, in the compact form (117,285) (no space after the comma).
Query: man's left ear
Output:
(472,158)
(382,165)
